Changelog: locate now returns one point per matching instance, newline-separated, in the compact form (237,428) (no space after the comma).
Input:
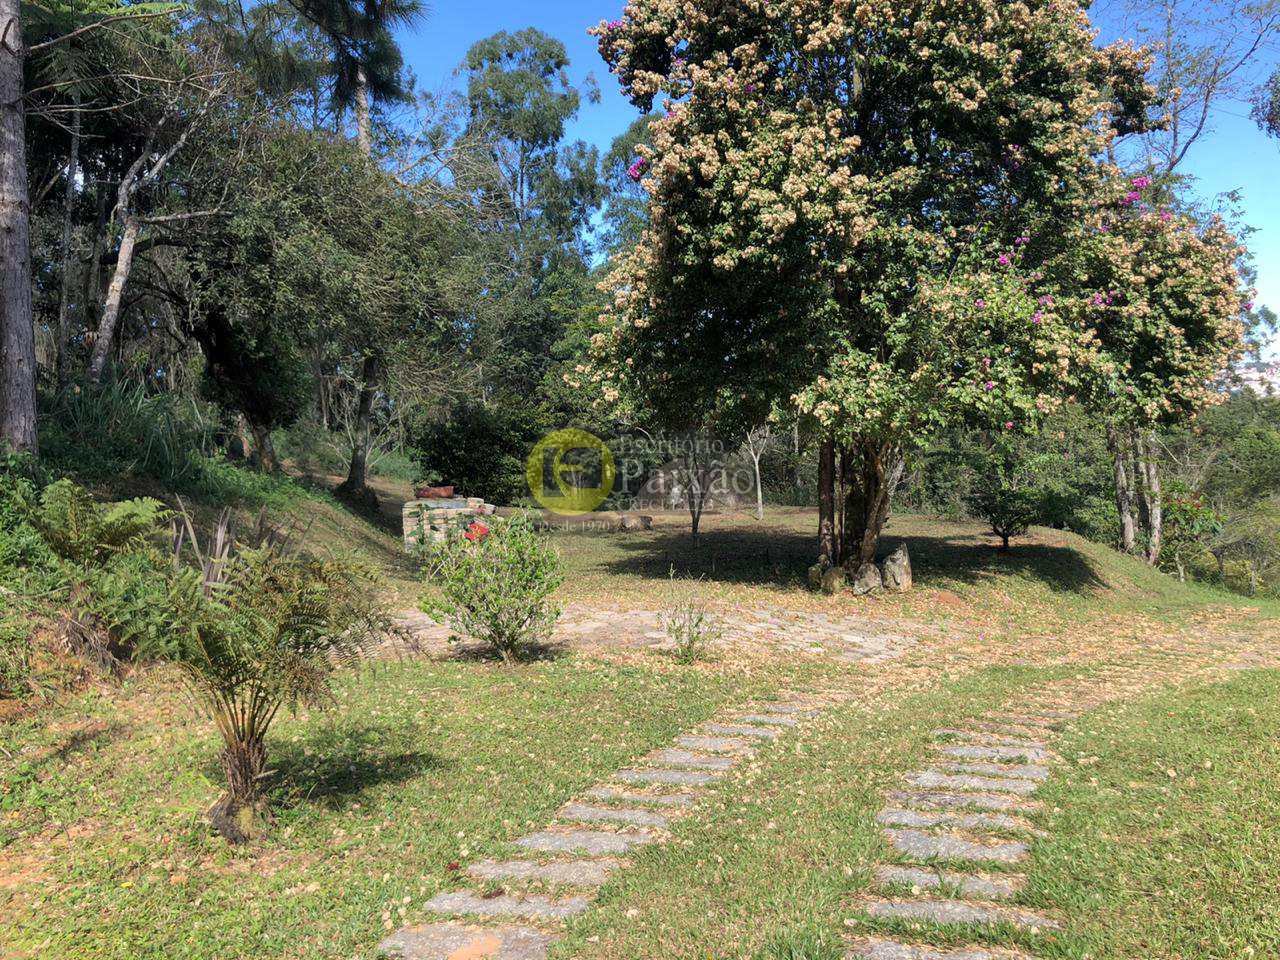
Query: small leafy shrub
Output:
(482,450)
(257,627)
(496,584)
(690,627)
(1011,488)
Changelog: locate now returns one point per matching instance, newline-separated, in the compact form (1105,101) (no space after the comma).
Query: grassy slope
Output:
(100,797)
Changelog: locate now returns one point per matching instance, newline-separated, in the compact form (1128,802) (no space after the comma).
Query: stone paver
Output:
(530,907)
(951,799)
(965,781)
(448,941)
(688,778)
(989,739)
(577,873)
(796,709)
(1022,771)
(594,842)
(958,911)
(676,757)
(714,744)
(996,753)
(742,730)
(924,819)
(605,792)
(583,813)
(945,846)
(770,719)
(880,948)
(978,886)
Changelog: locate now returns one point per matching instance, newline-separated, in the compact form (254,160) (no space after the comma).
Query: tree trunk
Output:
(264,448)
(1124,489)
(68,208)
(17,328)
(106,334)
(239,813)
(92,295)
(1152,497)
(755,463)
(356,484)
(364,122)
(877,469)
(797,476)
(827,500)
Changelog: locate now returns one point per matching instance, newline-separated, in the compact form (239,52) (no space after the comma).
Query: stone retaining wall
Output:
(431,520)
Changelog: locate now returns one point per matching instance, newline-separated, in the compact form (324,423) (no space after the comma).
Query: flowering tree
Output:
(1158,297)
(846,206)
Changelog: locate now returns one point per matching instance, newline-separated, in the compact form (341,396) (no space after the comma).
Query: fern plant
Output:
(257,628)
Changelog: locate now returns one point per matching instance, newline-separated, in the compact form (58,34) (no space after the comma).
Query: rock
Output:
(867,580)
(832,581)
(629,524)
(815,575)
(896,570)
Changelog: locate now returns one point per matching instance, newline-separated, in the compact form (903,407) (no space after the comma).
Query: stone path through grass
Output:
(553,873)
(960,830)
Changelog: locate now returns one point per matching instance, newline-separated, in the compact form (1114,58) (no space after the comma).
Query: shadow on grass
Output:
(777,556)
(470,651)
(332,766)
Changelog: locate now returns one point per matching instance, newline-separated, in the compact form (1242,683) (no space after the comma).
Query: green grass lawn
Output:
(423,764)
(1165,834)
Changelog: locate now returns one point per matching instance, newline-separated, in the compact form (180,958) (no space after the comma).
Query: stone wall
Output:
(432,520)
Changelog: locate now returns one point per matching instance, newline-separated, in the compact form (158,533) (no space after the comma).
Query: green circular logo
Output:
(570,472)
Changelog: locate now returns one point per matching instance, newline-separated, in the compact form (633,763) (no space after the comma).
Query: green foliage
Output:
(257,627)
(495,587)
(482,449)
(1191,526)
(690,628)
(16,652)
(1010,487)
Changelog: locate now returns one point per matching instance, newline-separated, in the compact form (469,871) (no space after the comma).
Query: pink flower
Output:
(1037,316)
(1046,300)
(1248,305)
(980,304)
(989,386)
(1132,197)
(1004,260)
(1141,183)
(1165,216)
(1008,424)
(1022,241)
(636,170)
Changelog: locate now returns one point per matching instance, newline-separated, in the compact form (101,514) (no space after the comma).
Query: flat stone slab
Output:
(689,778)
(945,846)
(966,781)
(635,796)
(770,719)
(577,873)
(714,744)
(796,709)
(879,948)
(996,753)
(981,887)
(1022,771)
(989,739)
(675,757)
(958,911)
(741,730)
(449,941)
(594,842)
(584,813)
(528,907)
(924,819)
(951,800)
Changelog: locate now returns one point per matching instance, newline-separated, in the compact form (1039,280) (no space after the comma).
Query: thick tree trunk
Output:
(68,208)
(106,334)
(1124,489)
(1152,496)
(876,470)
(755,463)
(356,484)
(263,448)
(827,501)
(17,329)
(239,813)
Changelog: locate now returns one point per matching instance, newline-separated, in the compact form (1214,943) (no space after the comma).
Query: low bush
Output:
(496,584)
(690,630)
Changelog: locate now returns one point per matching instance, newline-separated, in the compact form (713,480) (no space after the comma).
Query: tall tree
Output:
(838,205)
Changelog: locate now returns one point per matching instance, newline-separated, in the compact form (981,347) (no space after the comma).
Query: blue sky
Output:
(1234,156)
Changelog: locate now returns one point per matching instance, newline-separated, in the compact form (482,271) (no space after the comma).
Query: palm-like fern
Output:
(260,627)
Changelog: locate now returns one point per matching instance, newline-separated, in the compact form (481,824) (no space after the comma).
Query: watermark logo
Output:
(570,472)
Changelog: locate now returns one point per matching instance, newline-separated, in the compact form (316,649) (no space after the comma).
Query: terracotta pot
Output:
(434,493)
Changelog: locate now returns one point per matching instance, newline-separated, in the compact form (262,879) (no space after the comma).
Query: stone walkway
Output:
(855,639)
(959,828)
(515,906)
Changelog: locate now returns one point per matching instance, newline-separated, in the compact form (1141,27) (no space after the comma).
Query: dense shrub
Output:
(482,450)
(496,583)
(16,651)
